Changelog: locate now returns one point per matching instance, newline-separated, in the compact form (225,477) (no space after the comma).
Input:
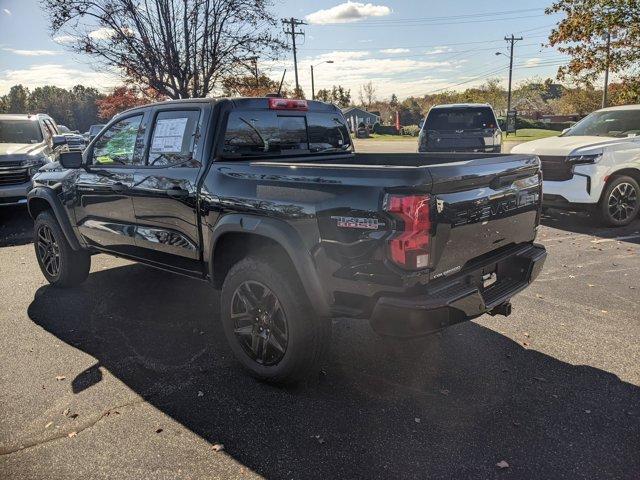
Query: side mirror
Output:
(58,140)
(70,159)
(565,131)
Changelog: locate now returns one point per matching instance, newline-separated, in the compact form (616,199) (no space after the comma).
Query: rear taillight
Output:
(409,247)
(288,104)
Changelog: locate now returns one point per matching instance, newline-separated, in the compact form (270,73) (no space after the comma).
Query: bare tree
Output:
(367,94)
(179,48)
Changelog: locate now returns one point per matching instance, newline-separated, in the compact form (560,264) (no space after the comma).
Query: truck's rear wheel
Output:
(60,264)
(269,323)
(620,201)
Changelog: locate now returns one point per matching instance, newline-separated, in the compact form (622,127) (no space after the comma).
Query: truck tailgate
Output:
(481,206)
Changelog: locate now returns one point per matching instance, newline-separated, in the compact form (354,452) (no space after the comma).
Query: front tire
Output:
(60,264)
(269,323)
(620,201)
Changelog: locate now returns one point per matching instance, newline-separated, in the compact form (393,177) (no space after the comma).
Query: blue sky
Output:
(407,47)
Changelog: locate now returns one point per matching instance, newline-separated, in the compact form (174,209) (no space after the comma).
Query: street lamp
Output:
(313,92)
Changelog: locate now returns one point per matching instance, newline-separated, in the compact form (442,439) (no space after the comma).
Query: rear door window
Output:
(173,140)
(460,119)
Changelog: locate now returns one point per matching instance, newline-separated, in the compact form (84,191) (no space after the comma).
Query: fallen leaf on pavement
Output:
(444,391)
(587,411)
(66,412)
(539,296)
(48,425)
(218,447)
(417,420)
(72,434)
(200,393)
(502,464)
(60,377)
(159,430)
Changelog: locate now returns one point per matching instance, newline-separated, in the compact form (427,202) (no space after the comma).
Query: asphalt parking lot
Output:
(129,377)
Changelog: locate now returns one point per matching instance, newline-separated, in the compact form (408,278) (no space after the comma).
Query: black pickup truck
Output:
(266,199)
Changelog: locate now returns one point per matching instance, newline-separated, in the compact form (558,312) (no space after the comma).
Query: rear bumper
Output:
(459,299)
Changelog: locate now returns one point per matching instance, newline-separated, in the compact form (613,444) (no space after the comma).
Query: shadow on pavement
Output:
(16,226)
(449,406)
(584,223)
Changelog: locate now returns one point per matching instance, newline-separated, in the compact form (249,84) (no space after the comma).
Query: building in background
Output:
(355,116)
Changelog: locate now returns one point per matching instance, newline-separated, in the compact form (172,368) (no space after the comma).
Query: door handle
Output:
(177,192)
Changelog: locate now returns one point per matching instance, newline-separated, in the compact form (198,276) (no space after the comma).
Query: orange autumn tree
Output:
(125,97)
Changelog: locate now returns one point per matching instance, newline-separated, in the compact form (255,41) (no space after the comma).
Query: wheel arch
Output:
(236,235)
(41,199)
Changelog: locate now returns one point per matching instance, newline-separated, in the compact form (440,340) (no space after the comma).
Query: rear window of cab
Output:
(470,118)
(254,133)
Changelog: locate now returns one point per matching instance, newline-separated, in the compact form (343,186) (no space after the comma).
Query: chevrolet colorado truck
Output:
(266,199)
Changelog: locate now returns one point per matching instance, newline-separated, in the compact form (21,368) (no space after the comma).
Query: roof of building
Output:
(350,109)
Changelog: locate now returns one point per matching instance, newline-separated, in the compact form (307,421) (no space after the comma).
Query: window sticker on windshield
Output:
(168,135)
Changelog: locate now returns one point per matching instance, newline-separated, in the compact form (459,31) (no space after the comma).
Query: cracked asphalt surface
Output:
(129,377)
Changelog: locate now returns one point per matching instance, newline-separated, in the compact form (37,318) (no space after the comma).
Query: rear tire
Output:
(60,264)
(269,322)
(620,201)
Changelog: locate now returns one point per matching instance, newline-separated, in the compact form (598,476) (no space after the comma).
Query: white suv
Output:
(594,165)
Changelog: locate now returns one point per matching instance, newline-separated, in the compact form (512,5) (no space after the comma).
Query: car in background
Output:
(460,127)
(93,131)
(27,142)
(594,165)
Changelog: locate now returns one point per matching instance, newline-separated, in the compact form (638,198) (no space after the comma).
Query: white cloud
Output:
(395,50)
(402,76)
(6,11)
(30,53)
(64,39)
(102,33)
(438,50)
(54,74)
(347,12)
(532,62)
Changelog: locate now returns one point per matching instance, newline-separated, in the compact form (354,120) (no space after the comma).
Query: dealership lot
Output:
(129,376)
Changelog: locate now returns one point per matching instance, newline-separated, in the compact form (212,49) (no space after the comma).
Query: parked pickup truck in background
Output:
(460,127)
(266,199)
(594,165)
(26,143)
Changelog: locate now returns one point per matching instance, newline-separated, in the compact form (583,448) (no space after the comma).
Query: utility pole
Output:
(292,23)
(605,92)
(511,40)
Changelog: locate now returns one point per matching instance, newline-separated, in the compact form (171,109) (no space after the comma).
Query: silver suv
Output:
(26,143)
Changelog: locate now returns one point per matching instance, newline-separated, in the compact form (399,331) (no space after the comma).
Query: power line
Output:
(293,24)
(433,45)
(426,23)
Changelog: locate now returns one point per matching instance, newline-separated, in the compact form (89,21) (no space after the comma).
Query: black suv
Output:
(265,199)
(460,127)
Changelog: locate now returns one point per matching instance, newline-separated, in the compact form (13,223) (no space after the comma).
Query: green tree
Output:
(16,101)
(583,34)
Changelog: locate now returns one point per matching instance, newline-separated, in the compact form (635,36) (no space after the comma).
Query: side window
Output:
(121,144)
(52,127)
(173,140)
(46,131)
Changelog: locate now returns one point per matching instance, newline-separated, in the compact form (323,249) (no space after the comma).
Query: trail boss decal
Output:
(357,222)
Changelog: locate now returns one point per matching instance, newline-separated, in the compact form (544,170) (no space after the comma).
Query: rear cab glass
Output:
(255,133)
(460,118)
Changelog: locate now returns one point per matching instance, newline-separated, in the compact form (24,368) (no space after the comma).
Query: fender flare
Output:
(54,202)
(288,238)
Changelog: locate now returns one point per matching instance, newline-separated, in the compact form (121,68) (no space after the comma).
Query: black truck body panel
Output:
(326,211)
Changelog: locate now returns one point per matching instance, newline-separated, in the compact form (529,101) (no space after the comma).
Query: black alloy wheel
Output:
(622,201)
(259,322)
(48,250)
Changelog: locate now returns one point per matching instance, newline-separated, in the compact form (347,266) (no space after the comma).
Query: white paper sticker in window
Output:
(168,135)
